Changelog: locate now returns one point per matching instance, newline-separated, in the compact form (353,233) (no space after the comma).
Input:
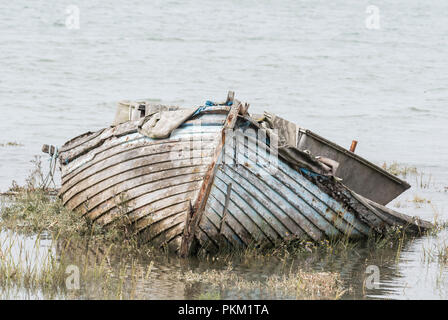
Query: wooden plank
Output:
(235,233)
(259,195)
(207,244)
(301,202)
(136,158)
(140,198)
(163,239)
(158,215)
(174,244)
(121,145)
(201,201)
(109,188)
(165,230)
(226,206)
(276,220)
(133,193)
(68,153)
(255,223)
(328,208)
(413,224)
(79,140)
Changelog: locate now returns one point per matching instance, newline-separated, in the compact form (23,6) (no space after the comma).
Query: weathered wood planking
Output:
(200,186)
(158,178)
(199,204)
(267,207)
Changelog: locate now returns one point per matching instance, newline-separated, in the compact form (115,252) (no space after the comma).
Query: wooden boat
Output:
(214,182)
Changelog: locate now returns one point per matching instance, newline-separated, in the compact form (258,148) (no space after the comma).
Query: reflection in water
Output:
(111,273)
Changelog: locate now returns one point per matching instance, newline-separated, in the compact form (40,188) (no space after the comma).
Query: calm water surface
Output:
(312,62)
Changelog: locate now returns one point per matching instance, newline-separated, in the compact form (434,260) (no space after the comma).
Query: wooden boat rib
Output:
(203,187)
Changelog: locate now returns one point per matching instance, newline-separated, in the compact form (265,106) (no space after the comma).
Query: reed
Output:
(214,295)
(11,144)
(300,284)
(398,169)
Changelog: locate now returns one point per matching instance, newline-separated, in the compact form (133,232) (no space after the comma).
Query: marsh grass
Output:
(392,237)
(106,257)
(436,253)
(214,295)
(105,273)
(300,284)
(424,181)
(439,224)
(398,169)
(32,209)
(11,144)
(113,264)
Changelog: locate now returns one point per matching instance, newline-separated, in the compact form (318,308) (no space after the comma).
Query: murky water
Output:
(313,62)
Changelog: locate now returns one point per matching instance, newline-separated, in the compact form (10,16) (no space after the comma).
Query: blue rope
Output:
(310,173)
(207,104)
(198,111)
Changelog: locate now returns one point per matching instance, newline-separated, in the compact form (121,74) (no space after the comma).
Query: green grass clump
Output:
(33,211)
(215,295)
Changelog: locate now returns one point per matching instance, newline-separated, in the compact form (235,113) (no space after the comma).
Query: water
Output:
(312,62)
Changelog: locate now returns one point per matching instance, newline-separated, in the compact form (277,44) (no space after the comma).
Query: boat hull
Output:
(119,172)
(216,182)
(257,201)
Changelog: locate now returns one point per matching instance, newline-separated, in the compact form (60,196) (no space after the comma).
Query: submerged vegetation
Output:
(110,261)
(398,169)
(299,285)
(422,180)
(42,243)
(11,144)
(32,213)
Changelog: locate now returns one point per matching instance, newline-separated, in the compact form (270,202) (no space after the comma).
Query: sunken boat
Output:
(216,176)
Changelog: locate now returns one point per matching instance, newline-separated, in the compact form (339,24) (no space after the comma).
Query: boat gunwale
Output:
(356,157)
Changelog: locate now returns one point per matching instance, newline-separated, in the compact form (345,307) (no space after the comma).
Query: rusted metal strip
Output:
(201,200)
